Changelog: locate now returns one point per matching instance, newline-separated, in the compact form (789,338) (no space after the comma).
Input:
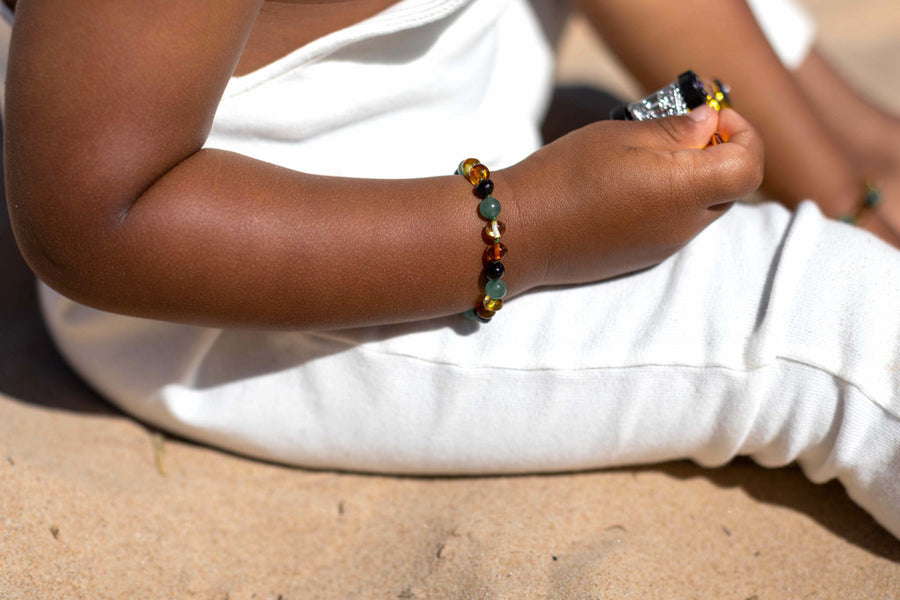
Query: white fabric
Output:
(788,27)
(422,84)
(772,334)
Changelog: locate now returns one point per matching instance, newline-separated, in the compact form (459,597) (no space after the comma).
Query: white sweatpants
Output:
(772,334)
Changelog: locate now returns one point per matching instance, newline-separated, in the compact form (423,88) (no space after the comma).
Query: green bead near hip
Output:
(495,288)
(489,208)
(872,196)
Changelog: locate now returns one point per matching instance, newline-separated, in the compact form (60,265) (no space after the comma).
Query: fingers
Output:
(700,173)
(737,165)
(634,193)
(725,172)
(686,132)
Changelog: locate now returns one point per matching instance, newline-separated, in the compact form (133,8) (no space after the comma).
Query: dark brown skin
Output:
(869,136)
(793,112)
(115,204)
(285,25)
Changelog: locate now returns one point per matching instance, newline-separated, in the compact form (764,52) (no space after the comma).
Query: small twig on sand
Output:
(159,452)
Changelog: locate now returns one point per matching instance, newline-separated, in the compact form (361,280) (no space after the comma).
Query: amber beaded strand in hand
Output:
(494,289)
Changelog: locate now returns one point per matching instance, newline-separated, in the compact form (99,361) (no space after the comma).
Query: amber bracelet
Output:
(494,288)
(871,199)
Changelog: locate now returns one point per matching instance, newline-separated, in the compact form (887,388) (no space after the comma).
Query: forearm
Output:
(226,240)
(115,203)
(868,132)
(657,39)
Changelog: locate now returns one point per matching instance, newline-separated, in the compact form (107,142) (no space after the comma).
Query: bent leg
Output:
(772,334)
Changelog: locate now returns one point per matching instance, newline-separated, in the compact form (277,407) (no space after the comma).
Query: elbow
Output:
(71,255)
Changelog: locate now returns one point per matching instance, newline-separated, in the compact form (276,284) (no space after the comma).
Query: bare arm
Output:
(656,38)
(115,204)
(869,133)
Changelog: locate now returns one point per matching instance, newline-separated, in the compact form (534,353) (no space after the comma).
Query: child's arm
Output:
(115,204)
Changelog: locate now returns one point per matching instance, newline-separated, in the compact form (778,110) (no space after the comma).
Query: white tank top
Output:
(408,92)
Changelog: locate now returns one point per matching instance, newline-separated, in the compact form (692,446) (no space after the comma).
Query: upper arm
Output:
(103,98)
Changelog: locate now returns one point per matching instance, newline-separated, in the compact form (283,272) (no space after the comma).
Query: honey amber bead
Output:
(477,173)
(466,166)
(489,208)
(494,270)
(721,93)
(495,251)
(484,315)
(713,103)
(493,231)
(484,188)
(491,304)
(495,289)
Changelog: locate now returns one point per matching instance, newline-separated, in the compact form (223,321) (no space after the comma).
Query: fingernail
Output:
(701,113)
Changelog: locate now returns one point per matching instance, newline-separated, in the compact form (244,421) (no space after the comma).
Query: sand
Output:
(96,505)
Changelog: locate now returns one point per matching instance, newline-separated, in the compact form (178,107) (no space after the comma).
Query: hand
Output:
(615,197)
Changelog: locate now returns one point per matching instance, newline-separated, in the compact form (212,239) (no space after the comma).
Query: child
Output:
(245,220)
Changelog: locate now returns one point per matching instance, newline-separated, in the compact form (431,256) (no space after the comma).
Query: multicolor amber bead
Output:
(493,231)
(466,166)
(483,314)
(491,304)
(489,208)
(477,173)
(495,251)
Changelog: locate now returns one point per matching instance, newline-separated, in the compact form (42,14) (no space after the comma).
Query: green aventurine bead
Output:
(489,208)
(495,288)
(470,315)
(872,197)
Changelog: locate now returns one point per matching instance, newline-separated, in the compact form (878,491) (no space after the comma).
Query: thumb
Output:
(684,132)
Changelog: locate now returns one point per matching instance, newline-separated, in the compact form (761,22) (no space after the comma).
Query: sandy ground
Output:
(95,505)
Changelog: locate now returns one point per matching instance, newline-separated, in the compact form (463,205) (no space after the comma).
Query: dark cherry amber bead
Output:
(484,188)
(483,314)
(494,270)
(495,251)
(477,173)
